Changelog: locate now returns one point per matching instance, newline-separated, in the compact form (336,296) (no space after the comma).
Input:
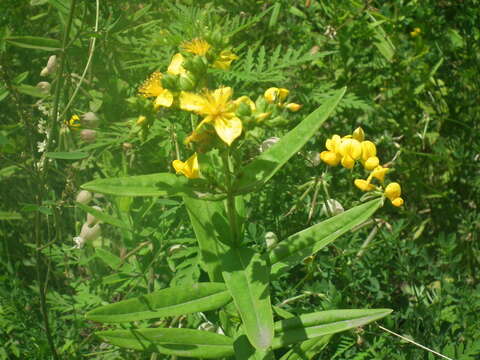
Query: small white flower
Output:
(79,242)
(41,146)
(271,240)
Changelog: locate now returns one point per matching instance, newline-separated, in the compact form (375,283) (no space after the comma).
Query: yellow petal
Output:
(271,94)
(293,107)
(368,150)
(188,168)
(351,148)
(330,158)
(363,185)
(379,173)
(393,191)
(333,143)
(397,202)
(196,46)
(282,93)
(228,129)
(245,100)
(222,95)
(224,60)
(175,67)
(165,99)
(192,102)
(371,163)
(348,162)
(152,86)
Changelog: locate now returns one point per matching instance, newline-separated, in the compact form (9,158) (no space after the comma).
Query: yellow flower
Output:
(217,109)
(393,191)
(358,134)
(246,100)
(262,116)
(368,150)
(330,158)
(141,120)
(397,202)
(224,60)
(350,150)
(379,173)
(175,67)
(364,185)
(273,94)
(293,107)
(188,168)
(74,121)
(152,87)
(417,31)
(333,143)
(196,46)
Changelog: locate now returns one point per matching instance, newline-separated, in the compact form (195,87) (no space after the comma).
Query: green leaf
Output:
(161,184)
(35,42)
(295,248)
(30,90)
(260,170)
(10,215)
(246,275)
(171,301)
(323,323)
(209,221)
(176,342)
(245,351)
(67,155)
(307,349)
(108,258)
(104,217)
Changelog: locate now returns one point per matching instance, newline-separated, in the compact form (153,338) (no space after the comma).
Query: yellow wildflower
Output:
(224,60)
(196,46)
(176,67)
(330,158)
(379,173)
(350,150)
(74,121)
(417,31)
(393,192)
(188,168)
(293,107)
(364,185)
(152,87)
(273,94)
(141,120)
(217,109)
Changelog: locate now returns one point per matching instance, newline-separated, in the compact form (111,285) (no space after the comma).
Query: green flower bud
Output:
(187,82)
(170,82)
(244,110)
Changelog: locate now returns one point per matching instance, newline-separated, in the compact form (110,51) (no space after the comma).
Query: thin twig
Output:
(414,343)
(89,60)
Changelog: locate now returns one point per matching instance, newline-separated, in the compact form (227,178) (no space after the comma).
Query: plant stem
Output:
(231,210)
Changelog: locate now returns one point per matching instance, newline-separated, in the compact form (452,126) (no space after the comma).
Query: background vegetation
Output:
(415,93)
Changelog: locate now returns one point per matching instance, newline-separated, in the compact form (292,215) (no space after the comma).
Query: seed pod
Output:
(91,219)
(90,233)
(89,120)
(84,197)
(44,87)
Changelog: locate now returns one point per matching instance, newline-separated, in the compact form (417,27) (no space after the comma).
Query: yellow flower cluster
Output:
(416,32)
(348,150)
(277,96)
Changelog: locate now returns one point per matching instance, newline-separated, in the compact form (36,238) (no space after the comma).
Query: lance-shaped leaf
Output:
(260,170)
(104,217)
(176,342)
(246,275)
(323,323)
(211,227)
(172,301)
(245,351)
(161,184)
(291,251)
(35,42)
(307,349)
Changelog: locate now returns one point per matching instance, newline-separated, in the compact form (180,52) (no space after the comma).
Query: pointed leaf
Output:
(260,170)
(307,349)
(176,342)
(246,276)
(323,323)
(67,155)
(104,217)
(35,42)
(245,351)
(295,248)
(211,227)
(172,301)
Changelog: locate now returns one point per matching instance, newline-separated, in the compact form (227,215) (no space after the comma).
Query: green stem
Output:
(231,210)
(327,195)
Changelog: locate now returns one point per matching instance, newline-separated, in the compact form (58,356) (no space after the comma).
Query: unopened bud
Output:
(90,233)
(267,144)
(244,110)
(88,135)
(91,219)
(293,107)
(44,87)
(187,82)
(271,240)
(142,120)
(84,197)
(51,66)
(359,134)
(90,119)
(169,81)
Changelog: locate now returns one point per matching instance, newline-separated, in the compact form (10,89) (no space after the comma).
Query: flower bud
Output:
(293,107)
(88,135)
(271,240)
(170,82)
(84,197)
(364,185)
(371,163)
(90,233)
(267,144)
(51,66)
(44,87)
(90,119)
(330,158)
(397,202)
(187,82)
(359,134)
(244,110)
(91,219)
(196,65)
(393,191)
(141,121)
